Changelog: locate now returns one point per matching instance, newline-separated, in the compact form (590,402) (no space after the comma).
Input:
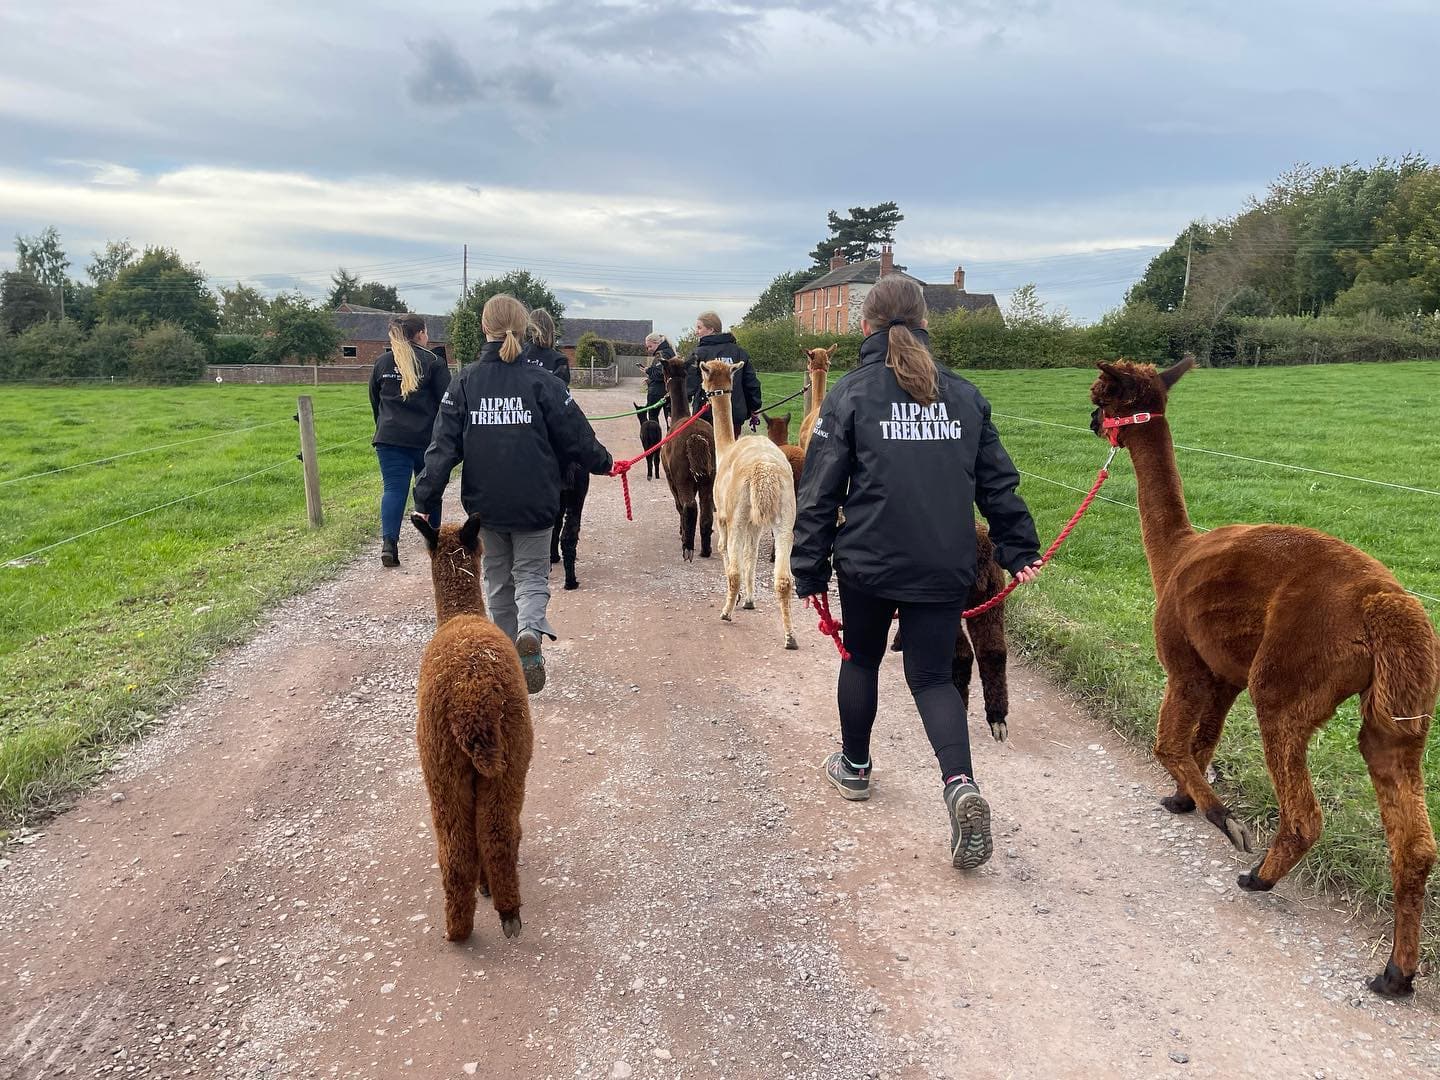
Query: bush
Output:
(629,348)
(300,334)
(49,350)
(780,344)
(111,344)
(167,354)
(235,349)
(593,349)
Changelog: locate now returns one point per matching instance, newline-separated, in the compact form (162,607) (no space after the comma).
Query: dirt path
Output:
(254,893)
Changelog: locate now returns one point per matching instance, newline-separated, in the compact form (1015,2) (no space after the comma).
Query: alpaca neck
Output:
(817,386)
(724,433)
(1164,521)
(675,390)
(462,597)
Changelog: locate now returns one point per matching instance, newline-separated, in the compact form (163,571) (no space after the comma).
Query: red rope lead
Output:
(828,625)
(622,468)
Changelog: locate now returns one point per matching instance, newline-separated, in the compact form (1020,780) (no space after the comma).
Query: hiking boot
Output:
(389,551)
(531,662)
(970,843)
(853,784)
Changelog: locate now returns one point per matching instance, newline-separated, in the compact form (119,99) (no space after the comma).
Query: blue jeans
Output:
(399,465)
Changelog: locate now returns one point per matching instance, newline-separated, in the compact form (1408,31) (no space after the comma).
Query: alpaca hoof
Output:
(510,924)
(688,554)
(1392,983)
(897,645)
(1251,881)
(1230,825)
(748,605)
(485,890)
(1000,730)
(459,931)
(704,554)
(571,585)
(725,617)
(790,642)
(1178,803)
(554,558)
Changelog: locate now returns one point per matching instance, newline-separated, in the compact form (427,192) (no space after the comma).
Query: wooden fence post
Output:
(306,416)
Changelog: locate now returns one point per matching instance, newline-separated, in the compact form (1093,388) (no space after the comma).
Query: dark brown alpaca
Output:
(777,428)
(689,466)
(1301,620)
(981,641)
(474,734)
(650,435)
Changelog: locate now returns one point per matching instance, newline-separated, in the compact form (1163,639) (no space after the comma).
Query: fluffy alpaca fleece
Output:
(474,735)
(649,436)
(754,494)
(1303,621)
(689,466)
(777,429)
(817,363)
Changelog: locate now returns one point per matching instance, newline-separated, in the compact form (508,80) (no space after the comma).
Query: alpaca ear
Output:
(830,352)
(737,365)
(1171,375)
(1110,369)
(470,533)
(431,534)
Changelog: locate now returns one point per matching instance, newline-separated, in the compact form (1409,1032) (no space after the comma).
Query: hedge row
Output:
(54,351)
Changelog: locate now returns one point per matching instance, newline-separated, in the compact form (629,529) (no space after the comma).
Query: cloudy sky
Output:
(653,157)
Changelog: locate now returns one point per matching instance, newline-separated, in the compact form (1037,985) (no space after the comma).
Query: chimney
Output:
(837,261)
(887,260)
(960,278)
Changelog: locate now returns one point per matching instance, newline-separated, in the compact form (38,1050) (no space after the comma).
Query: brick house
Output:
(831,304)
(365,332)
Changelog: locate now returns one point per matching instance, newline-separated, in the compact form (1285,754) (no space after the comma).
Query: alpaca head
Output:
(454,566)
(718,376)
(777,428)
(1125,388)
(819,359)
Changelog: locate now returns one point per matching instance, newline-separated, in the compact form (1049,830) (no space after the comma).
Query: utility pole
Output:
(464,272)
(1189,246)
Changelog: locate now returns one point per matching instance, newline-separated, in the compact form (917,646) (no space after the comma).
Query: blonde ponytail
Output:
(898,304)
(402,329)
(504,319)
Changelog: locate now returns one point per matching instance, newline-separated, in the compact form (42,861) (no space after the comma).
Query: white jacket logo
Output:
(505,411)
(912,421)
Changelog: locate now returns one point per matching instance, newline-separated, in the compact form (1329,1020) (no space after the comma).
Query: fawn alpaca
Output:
(474,734)
(689,466)
(754,493)
(777,429)
(1303,621)
(649,436)
(817,363)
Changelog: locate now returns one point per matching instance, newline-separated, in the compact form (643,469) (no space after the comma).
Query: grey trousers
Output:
(517,580)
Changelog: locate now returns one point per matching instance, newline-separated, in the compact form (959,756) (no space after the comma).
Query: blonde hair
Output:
(654,336)
(541,328)
(403,330)
(710,321)
(898,304)
(504,319)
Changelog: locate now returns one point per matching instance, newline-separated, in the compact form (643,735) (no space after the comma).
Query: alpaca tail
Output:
(479,696)
(766,483)
(1407,663)
(700,458)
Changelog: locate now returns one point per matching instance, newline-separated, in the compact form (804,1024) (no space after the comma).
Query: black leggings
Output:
(929,631)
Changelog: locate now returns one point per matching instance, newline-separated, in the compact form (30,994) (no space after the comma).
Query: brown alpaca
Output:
(817,363)
(753,495)
(689,466)
(474,734)
(777,428)
(1301,620)
(981,640)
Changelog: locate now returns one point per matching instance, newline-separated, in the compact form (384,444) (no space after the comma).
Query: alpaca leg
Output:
(687,532)
(730,552)
(987,633)
(1286,736)
(1210,705)
(784,582)
(1394,760)
(452,806)
(497,822)
(707,514)
(750,558)
(962,667)
(1187,695)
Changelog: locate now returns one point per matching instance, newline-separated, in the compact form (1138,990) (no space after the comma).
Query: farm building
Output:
(831,304)
(365,333)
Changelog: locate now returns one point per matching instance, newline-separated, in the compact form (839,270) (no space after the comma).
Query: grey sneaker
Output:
(531,662)
(852,784)
(970,843)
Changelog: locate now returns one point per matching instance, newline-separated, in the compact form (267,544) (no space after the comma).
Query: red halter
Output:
(1111,424)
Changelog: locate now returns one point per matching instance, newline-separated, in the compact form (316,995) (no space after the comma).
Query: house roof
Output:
(866,271)
(348,307)
(631,330)
(942,298)
(371,324)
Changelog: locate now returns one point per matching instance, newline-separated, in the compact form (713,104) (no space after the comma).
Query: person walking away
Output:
(540,346)
(406,385)
(512,427)
(659,349)
(908,448)
(716,345)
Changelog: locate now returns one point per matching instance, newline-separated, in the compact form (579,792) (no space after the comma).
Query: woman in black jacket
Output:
(515,427)
(909,450)
(541,351)
(658,347)
(406,385)
(716,345)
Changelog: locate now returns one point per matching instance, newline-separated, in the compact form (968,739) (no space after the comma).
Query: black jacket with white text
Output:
(551,360)
(515,427)
(406,421)
(909,477)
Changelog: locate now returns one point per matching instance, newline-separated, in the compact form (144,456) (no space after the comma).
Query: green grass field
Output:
(1089,615)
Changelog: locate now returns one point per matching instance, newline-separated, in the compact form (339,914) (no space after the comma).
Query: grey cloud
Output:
(444,77)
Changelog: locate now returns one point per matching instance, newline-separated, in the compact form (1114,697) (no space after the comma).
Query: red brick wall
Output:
(824,311)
